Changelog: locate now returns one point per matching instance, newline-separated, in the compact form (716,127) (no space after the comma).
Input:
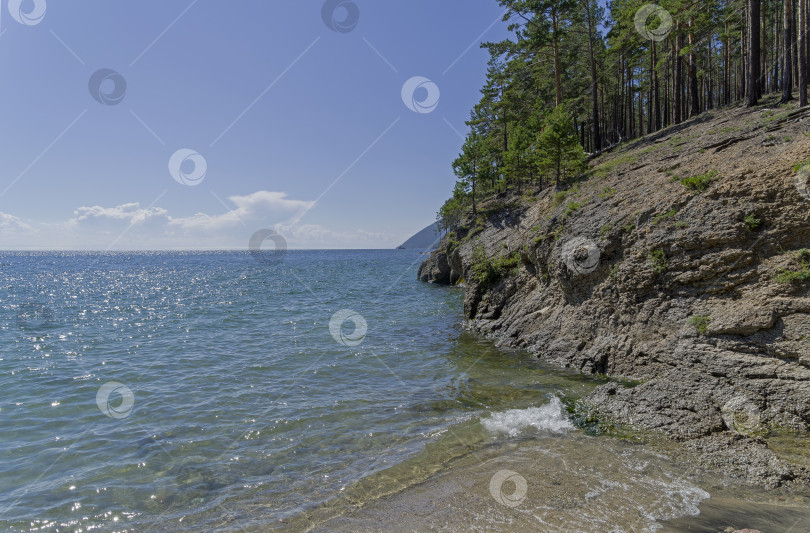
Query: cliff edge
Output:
(680,261)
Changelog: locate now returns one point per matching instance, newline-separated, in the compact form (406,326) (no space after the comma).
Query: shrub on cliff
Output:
(487,271)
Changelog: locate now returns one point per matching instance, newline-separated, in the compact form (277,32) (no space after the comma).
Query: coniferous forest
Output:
(576,79)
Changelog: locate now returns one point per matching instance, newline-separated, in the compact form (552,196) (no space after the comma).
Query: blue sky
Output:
(301,128)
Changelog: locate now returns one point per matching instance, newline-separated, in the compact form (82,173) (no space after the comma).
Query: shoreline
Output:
(587,484)
(697,295)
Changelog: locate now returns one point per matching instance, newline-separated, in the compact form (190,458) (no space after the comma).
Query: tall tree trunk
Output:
(623,100)
(727,68)
(667,119)
(794,48)
(763,46)
(693,81)
(631,108)
(640,113)
(787,56)
(806,40)
(752,77)
(656,92)
(603,124)
(744,34)
(678,81)
(595,135)
(650,113)
(801,45)
(777,47)
(709,77)
(618,104)
(557,74)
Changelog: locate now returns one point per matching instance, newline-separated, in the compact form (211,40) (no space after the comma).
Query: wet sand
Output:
(580,484)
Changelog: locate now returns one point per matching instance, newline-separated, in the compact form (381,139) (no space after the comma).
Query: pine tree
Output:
(560,152)
(559,83)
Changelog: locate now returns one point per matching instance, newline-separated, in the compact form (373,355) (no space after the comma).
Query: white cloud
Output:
(261,206)
(129,213)
(130,226)
(10,223)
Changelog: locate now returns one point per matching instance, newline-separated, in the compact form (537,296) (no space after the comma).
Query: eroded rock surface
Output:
(684,290)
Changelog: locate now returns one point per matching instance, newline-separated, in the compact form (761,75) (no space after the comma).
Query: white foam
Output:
(549,417)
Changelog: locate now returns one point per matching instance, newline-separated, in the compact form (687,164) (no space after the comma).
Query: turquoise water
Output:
(159,390)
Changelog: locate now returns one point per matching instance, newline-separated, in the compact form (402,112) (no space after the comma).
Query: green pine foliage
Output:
(560,154)
(577,78)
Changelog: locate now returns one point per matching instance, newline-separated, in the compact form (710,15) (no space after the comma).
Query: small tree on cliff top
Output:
(468,166)
(560,152)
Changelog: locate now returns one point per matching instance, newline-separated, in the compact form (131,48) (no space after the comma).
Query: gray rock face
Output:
(435,269)
(652,281)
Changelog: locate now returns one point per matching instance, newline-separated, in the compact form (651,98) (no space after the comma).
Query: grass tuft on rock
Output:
(801,164)
(700,323)
(701,182)
(752,222)
(788,276)
(658,261)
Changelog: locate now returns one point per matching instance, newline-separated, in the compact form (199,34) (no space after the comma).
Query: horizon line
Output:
(91,250)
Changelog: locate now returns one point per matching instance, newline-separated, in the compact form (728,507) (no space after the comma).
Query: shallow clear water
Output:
(238,390)
(207,391)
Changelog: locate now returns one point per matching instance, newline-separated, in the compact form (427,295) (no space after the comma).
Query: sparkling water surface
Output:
(312,390)
(145,389)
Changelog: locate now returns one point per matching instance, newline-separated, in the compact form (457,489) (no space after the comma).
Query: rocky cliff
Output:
(678,262)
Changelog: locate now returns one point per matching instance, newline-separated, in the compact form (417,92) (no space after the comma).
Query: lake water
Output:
(228,392)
